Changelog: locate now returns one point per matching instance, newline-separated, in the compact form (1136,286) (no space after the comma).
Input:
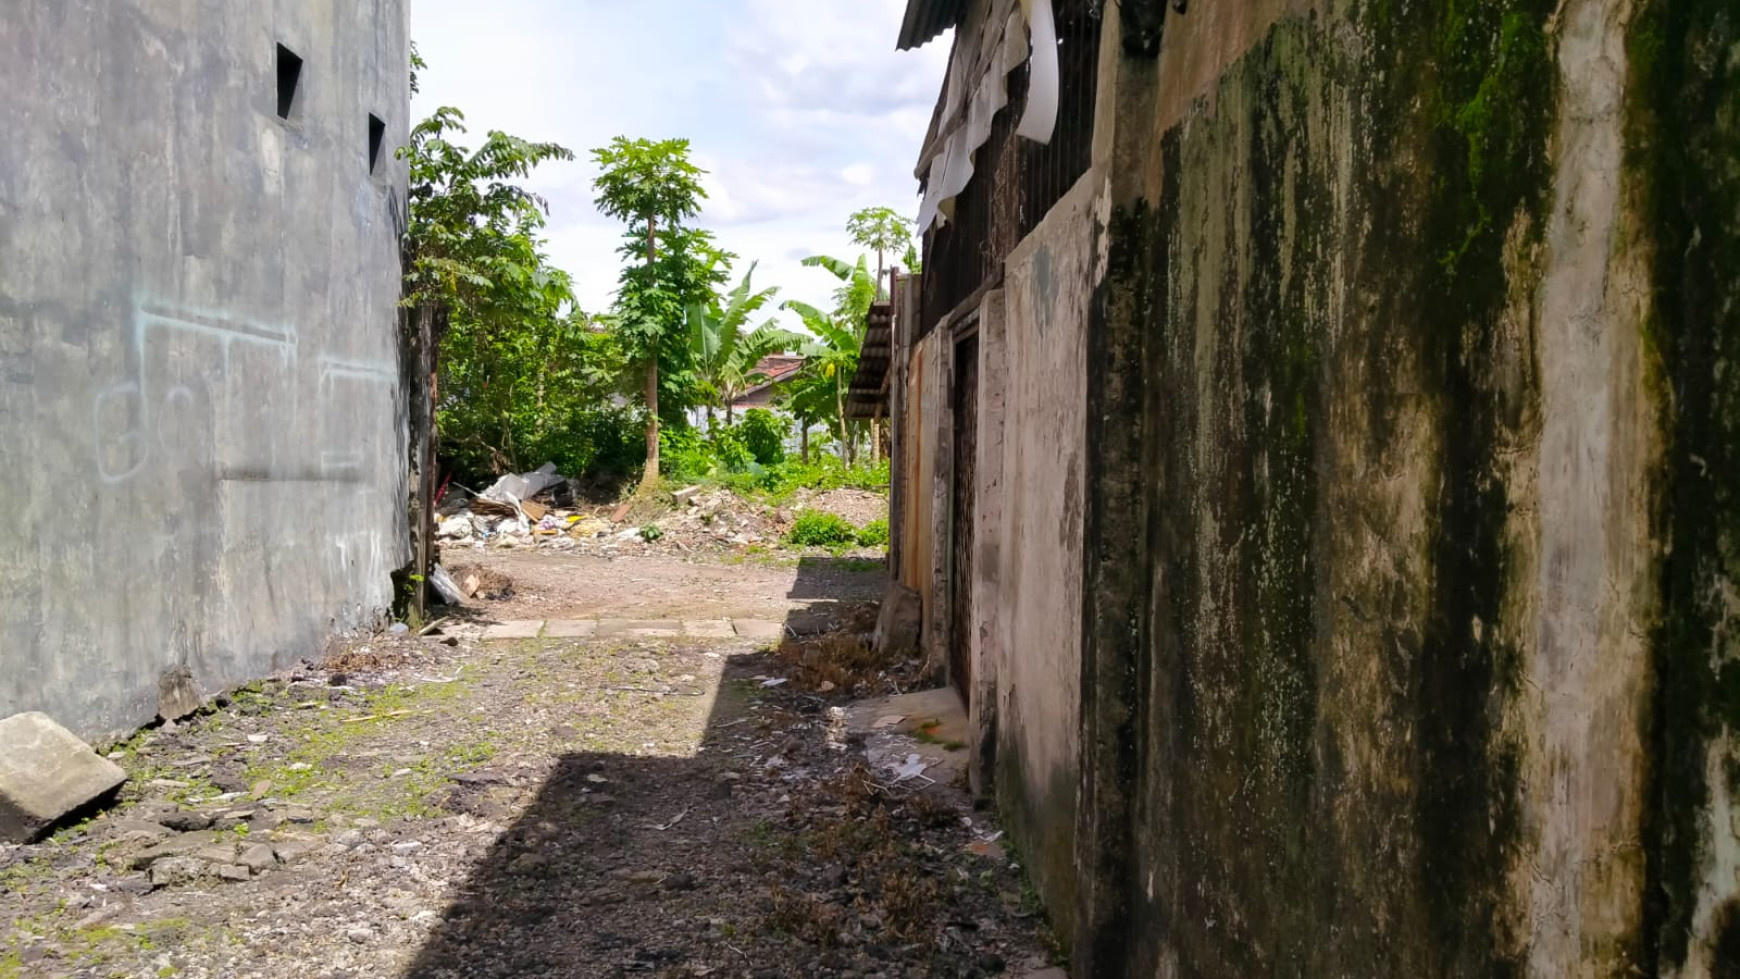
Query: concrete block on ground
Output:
(759,629)
(46,774)
(177,697)
(513,630)
(709,629)
(640,628)
(570,628)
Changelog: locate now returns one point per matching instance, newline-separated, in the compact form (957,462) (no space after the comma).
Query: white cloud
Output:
(859,174)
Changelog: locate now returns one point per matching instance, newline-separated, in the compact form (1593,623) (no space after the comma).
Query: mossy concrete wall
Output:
(1417,337)
(201,429)
(1361,498)
(1030,561)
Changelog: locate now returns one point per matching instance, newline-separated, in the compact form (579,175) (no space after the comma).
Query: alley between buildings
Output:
(626,767)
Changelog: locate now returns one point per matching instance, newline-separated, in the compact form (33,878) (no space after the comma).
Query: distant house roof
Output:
(776,370)
(927,19)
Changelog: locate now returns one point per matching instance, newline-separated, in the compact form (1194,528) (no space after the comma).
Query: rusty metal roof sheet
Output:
(867,397)
(927,19)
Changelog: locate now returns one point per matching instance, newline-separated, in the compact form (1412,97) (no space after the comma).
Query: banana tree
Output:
(725,356)
(832,358)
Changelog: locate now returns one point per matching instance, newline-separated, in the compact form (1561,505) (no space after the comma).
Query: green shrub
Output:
(874,534)
(816,529)
(764,434)
(651,532)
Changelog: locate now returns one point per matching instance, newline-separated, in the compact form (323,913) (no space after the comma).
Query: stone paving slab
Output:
(513,630)
(640,628)
(759,629)
(709,629)
(570,628)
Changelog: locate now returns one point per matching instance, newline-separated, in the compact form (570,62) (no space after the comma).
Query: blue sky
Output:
(801,110)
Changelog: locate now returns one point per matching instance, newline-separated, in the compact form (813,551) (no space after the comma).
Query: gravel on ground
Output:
(437,806)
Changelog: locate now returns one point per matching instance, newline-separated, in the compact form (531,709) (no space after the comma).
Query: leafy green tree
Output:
(472,238)
(470,254)
(652,186)
(724,353)
(884,231)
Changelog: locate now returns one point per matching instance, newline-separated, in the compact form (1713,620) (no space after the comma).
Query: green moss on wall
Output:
(1260,227)
(1465,108)
(1683,144)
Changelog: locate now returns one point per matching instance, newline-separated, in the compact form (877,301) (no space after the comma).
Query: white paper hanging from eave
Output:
(1040,121)
(952,169)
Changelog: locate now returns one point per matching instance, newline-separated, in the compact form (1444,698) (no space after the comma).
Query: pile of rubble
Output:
(540,510)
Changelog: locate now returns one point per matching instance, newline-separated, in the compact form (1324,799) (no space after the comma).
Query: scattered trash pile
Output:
(542,509)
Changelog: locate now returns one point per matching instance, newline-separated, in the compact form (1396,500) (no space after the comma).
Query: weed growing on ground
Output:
(814,528)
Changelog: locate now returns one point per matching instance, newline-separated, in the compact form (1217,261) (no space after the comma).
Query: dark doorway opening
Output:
(962,515)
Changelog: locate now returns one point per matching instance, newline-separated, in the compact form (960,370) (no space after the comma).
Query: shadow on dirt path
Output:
(770,851)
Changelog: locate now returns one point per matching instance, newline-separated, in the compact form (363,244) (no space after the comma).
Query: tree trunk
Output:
(804,438)
(730,414)
(875,441)
(650,477)
(709,418)
(840,408)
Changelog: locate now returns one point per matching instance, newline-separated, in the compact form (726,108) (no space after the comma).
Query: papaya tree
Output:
(654,188)
(884,231)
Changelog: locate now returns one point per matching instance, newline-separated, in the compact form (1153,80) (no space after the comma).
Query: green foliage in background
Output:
(874,534)
(884,231)
(764,434)
(725,353)
(670,266)
(814,528)
(525,376)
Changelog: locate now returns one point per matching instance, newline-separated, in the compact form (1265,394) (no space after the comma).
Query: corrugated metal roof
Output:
(927,19)
(867,397)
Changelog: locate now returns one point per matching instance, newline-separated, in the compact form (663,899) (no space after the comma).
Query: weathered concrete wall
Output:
(990,627)
(1429,312)
(200,418)
(925,461)
(1036,615)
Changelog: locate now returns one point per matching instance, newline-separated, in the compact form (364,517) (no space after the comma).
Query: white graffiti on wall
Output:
(219,393)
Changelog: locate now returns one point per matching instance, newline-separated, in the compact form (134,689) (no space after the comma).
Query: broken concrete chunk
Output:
(898,625)
(257,857)
(293,851)
(177,697)
(177,870)
(46,774)
(176,846)
(186,821)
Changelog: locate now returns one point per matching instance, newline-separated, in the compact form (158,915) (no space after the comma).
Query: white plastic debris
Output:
(911,768)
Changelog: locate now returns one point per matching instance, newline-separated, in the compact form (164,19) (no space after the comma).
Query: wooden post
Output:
(421,411)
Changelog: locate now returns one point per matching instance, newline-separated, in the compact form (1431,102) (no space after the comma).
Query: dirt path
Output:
(550,585)
(578,808)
